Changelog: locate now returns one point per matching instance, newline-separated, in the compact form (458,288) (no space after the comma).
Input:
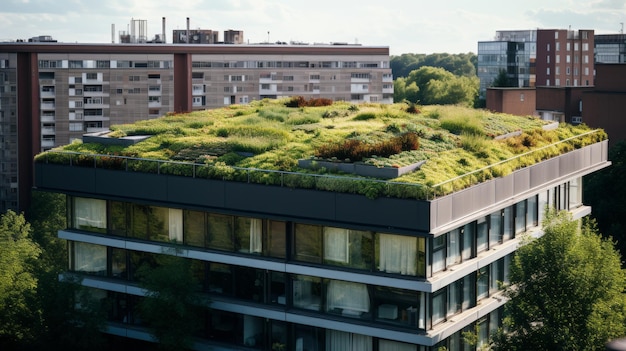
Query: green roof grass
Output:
(461,146)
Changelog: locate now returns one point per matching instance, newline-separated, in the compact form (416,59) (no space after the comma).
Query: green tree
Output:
(436,86)
(171,304)
(501,80)
(566,290)
(18,283)
(62,324)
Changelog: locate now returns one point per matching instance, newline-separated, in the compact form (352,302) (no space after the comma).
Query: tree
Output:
(501,80)
(566,290)
(170,306)
(18,283)
(436,86)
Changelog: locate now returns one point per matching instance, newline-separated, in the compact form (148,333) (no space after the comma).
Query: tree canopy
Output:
(18,282)
(171,304)
(457,64)
(436,86)
(566,290)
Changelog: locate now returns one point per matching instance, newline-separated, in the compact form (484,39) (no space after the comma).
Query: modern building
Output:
(610,48)
(52,93)
(542,57)
(294,268)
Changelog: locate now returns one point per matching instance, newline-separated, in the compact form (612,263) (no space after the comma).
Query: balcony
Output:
(47,105)
(47,143)
(47,118)
(47,131)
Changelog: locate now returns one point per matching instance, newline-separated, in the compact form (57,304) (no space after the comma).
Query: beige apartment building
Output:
(53,93)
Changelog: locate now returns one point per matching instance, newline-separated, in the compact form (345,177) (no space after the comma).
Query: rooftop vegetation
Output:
(263,141)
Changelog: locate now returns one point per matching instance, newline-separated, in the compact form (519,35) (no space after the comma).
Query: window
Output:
(249,235)
(220,230)
(439,307)
(134,78)
(339,341)
(482,234)
(347,298)
(308,242)
(91,76)
(439,253)
(397,254)
(89,214)
(348,247)
(88,258)
(307,292)
(557,46)
(76,127)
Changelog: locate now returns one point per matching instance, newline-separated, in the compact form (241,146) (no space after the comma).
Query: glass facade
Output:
(318,288)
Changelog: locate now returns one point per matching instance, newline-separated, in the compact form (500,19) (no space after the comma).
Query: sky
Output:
(405,26)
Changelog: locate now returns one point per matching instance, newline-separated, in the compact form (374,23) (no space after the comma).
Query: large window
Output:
(342,341)
(308,243)
(220,232)
(249,235)
(347,298)
(399,254)
(307,292)
(399,307)
(89,214)
(348,247)
(88,258)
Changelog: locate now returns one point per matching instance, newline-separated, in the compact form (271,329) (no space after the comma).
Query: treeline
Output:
(458,64)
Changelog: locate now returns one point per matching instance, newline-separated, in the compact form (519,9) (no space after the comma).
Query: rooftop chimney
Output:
(187,36)
(163,32)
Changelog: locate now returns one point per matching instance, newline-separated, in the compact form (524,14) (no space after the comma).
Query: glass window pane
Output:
(118,263)
(220,232)
(308,243)
(495,229)
(531,211)
(361,249)
(482,233)
(277,288)
(336,245)
(117,218)
(439,308)
(249,234)
(482,283)
(90,214)
(520,217)
(194,228)
(139,221)
(468,241)
(439,253)
(507,232)
(220,279)
(307,292)
(89,258)
(277,232)
(454,246)
(399,306)
(397,254)
(347,298)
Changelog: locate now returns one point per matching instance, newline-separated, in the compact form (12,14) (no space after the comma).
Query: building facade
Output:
(542,57)
(300,269)
(610,48)
(52,93)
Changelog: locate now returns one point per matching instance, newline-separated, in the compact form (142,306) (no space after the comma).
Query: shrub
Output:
(299,101)
(356,150)
(365,116)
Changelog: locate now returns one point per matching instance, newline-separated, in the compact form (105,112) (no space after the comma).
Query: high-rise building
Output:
(52,93)
(310,261)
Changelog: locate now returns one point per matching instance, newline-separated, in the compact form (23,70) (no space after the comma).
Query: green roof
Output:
(265,142)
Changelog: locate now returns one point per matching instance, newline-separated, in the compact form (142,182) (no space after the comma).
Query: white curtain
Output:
(336,244)
(175,223)
(256,235)
(343,341)
(90,213)
(398,254)
(454,247)
(89,258)
(388,345)
(347,296)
